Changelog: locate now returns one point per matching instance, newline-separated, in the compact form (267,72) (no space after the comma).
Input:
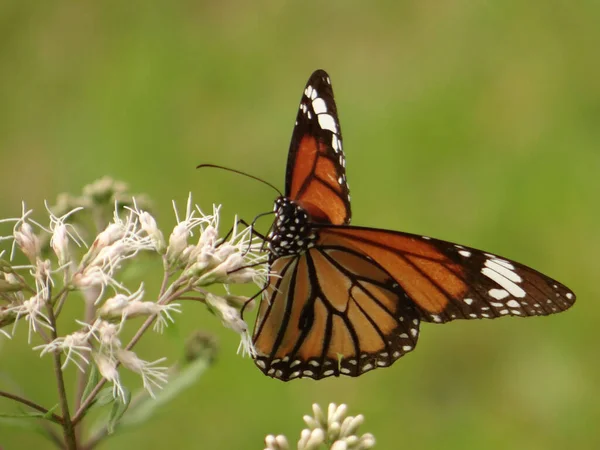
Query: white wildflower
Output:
(74,346)
(311,440)
(107,366)
(61,232)
(182,231)
(115,306)
(177,242)
(111,234)
(231,318)
(153,376)
(336,428)
(27,241)
(106,334)
(149,226)
(128,306)
(276,442)
(120,241)
(19,221)
(230,262)
(97,276)
(43,278)
(32,311)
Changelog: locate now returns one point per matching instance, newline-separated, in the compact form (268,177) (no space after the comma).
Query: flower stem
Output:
(163,299)
(81,376)
(53,417)
(68,426)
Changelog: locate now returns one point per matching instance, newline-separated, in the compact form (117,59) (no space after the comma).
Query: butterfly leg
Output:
(247,302)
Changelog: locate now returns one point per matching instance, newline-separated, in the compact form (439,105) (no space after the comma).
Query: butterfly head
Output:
(291,233)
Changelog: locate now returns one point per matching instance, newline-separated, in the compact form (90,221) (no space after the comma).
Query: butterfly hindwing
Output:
(331,312)
(316,173)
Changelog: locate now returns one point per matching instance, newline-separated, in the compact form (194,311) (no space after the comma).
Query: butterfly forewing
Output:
(448,281)
(316,174)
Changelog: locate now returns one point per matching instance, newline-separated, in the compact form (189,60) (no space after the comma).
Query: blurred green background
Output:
(472,121)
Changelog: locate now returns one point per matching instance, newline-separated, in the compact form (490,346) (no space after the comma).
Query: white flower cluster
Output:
(188,268)
(335,430)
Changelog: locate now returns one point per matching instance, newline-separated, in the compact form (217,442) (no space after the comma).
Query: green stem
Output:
(165,296)
(81,376)
(53,417)
(68,426)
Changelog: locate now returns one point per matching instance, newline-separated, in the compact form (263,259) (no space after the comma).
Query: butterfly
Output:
(344,300)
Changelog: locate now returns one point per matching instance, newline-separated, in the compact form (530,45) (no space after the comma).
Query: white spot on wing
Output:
(504,263)
(513,304)
(334,143)
(468,301)
(504,271)
(319,106)
(465,253)
(507,284)
(498,294)
(327,122)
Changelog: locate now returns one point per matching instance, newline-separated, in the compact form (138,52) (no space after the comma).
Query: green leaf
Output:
(118,409)
(178,383)
(30,415)
(105,397)
(93,379)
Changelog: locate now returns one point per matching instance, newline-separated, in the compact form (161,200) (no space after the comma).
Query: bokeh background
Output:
(471,121)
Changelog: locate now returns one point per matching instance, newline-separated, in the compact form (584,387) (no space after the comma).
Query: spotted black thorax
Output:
(292,233)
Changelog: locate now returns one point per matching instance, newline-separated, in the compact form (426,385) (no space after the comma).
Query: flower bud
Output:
(60,243)
(149,225)
(28,242)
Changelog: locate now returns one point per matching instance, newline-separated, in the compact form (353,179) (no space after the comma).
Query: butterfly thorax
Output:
(292,233)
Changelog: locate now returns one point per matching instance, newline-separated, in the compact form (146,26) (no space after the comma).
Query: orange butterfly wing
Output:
(316,174)
(448,281)
(331,311)
(355,300)
(344,300)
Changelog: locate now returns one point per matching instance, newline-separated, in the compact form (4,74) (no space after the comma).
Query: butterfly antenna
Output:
(215,166)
